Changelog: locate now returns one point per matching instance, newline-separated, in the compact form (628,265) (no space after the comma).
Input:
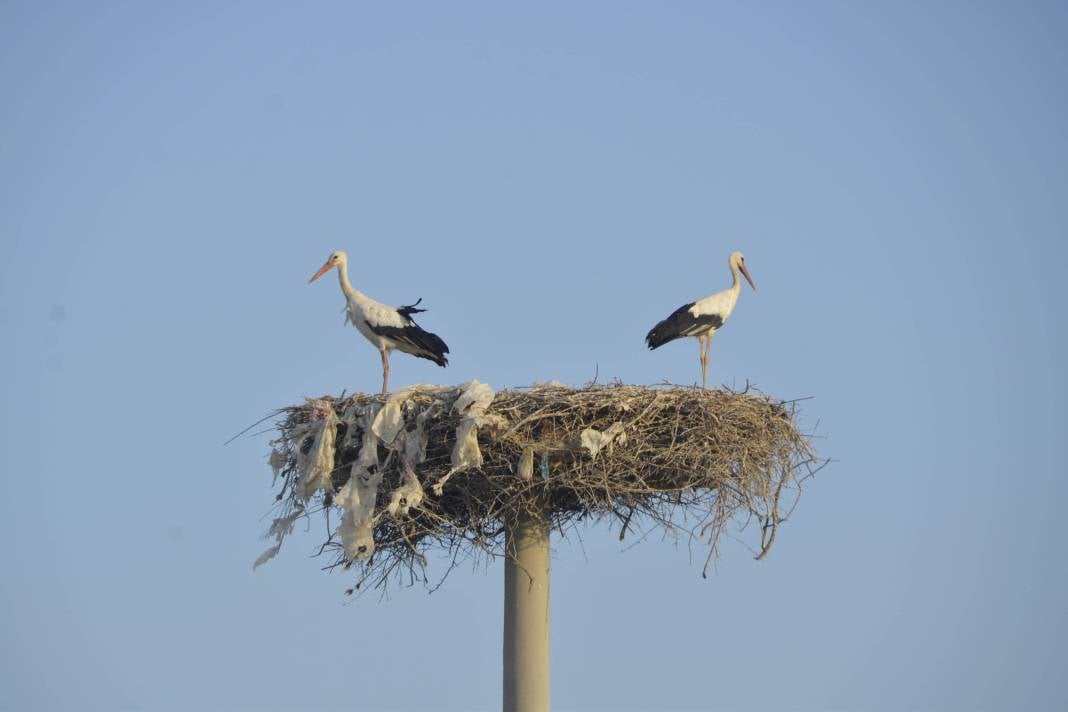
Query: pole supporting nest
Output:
(526,613)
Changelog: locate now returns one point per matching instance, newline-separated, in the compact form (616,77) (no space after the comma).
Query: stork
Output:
(703,318)
(386,327)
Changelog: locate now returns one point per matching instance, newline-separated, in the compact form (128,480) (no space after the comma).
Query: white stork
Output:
(386,327)
(702,318)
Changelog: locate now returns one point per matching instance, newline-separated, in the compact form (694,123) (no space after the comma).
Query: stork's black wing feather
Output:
(682,323)
(414,339)
(410,309)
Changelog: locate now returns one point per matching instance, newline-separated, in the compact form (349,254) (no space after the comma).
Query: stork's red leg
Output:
(708,356)
(704,340)
(385,371)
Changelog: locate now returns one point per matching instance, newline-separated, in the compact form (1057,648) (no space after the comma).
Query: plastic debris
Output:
(408,495)
(280,529)
(390,420)
(357,496)
(472,405)
(595,440)
(317,466)
(278,461)
(266,556)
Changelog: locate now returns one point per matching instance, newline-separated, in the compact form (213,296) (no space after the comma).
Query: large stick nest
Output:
(682,460)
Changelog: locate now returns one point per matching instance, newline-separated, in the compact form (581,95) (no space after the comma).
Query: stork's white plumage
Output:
(701,319)
(386,327)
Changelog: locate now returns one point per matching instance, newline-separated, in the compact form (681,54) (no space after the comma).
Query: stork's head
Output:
(737,262)
(338,259)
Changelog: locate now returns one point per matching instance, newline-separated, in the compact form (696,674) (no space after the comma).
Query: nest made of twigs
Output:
(686,460)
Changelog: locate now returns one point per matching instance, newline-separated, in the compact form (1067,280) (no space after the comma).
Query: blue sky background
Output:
(552,179)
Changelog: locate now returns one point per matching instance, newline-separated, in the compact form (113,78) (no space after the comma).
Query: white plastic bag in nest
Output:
(595,440)
(356,532)
(390,420)
(317,466)
(472,404)
(408,495)
(357,496)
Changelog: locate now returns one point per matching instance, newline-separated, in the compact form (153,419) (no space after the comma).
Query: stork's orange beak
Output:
(745,272)
(322,270)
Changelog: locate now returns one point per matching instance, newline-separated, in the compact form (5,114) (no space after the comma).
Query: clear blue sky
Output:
(552,180)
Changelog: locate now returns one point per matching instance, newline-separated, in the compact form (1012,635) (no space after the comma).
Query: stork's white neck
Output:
(346,286)
(736,285)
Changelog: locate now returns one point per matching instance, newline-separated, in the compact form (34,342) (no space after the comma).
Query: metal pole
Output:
(526,614)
